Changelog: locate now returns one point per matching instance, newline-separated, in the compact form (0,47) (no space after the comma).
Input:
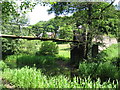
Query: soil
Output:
(6,84)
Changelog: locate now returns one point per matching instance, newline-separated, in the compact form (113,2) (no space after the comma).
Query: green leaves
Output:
(12,9)
(48,48)
(32,78)
(9,47)
(8,9)
(109,54)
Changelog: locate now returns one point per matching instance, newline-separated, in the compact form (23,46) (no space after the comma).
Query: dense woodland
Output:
(49,64)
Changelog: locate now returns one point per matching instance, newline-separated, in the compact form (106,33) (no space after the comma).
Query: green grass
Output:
(33,78)
(27,77)
(110,53)
(64,50)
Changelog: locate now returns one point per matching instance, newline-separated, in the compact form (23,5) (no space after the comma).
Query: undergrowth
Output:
(33,78)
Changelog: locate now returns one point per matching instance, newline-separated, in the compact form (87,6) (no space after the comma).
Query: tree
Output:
(11,9)
(14,16)
(96,16)
(59,25)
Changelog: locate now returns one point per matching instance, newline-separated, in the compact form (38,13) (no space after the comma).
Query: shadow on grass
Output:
(65,49)
(50,65)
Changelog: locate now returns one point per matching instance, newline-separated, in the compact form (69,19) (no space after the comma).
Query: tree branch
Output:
(107,6)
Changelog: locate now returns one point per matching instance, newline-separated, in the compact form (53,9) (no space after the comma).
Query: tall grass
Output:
(32,78)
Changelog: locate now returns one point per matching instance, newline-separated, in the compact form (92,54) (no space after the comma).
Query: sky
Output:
(40,13)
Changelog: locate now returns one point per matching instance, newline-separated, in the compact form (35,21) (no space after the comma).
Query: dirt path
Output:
(6,84)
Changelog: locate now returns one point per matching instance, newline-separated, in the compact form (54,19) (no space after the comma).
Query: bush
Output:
(12,60)
(48,48)
(18,46)
(3,65)
(29,47)
(107,70)
(9,47)
(104,70)
(109,53)
(30,60)
(87,69)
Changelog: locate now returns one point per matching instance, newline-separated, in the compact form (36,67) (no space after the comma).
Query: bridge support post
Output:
(94,50)
(76,55)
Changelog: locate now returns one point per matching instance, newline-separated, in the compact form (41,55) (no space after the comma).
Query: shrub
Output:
(48,48)
(12,59)
(3,65)
(104,70)
(87,69)
(109,54)
(31,60)
(29,47)
(107,70)
(18,46)
(9,47)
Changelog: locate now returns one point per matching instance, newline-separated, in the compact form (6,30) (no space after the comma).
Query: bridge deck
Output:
(35,38)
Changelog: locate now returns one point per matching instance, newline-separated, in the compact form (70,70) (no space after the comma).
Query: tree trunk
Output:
(88,34)
(76,56)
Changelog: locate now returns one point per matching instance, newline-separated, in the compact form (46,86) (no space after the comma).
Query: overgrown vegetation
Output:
(37,64)
(45,75)
(111,54)
(19,46)
(33,78)
(104,71)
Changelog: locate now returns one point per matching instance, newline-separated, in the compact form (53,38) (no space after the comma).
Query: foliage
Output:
(11,10)
(32,78)
(87,69)
(96,18)
(48,48)
(32,60)
(8,9)
(3,65)
(39,28)
(17,46)
(29,47)
(9,47)
(58,25)
(104,70)
(107,70)
(110,53)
